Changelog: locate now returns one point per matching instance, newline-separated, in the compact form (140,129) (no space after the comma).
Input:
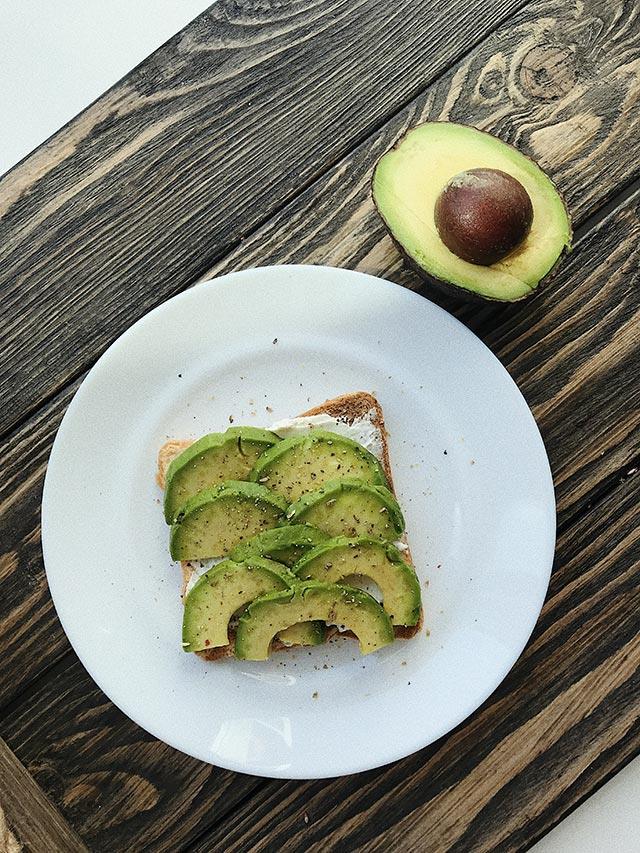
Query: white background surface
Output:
(606,823)
(58,57)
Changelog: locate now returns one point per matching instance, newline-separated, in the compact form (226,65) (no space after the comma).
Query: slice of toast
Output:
(347,408)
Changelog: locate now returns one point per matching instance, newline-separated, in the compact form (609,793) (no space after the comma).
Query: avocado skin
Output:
(461,293)
(449,288)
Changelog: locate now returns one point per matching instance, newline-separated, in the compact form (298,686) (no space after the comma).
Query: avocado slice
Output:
(350,508)
(299,464)
(284,544)
(227,587)
(408,181)
(341,557)
(211,460)
(311,633)
(212,522)
(312,600)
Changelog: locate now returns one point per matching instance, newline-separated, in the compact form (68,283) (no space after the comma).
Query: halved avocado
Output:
(301,463)
(284,544)
(212,522)
(339,558)
(227,587)
(312,600)
(408,181)
(211,460)
(350,508)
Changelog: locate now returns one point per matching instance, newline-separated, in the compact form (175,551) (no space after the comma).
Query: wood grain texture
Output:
(564,86)
(119,787)
(333,222)
(566,717)
(144,190)
(36,823)
(30,633)
(574,352)
(585,451)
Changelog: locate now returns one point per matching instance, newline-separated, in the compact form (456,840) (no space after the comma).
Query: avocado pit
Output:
(482,215)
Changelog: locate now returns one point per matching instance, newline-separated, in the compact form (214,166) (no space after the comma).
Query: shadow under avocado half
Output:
(471,214)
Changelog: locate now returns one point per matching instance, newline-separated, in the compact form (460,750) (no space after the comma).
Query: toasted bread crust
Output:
(166,455)
(347,407)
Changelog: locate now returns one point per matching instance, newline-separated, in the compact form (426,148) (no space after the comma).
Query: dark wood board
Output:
(591,428)
(334,222)
(565,717)
(612,402)
(35,822)
(562,84)
(116,785)
(146,188)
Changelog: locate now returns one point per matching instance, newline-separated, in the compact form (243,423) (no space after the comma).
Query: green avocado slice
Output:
(312,633)
(299,464)
(350,508)
(212,522)
(284,544)
(312,600)
(226,588)
(211,460)
(339,558)
(408,180)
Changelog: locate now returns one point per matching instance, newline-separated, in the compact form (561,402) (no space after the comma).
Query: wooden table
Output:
(249,139)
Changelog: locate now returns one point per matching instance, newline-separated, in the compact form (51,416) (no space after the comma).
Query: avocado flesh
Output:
(226,588)
(409,178)
(211,460)
(350,508)
(215,520)
(303,463)
(340,558)
(311,633)
(219,593)
(309,601)
(284,544)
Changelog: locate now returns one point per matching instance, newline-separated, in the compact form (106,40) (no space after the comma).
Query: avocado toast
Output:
(301,537)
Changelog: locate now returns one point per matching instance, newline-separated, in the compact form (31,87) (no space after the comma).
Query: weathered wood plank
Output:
(36,823)
(574,352)
(592,357)
(577,120)
(144,190)
(28,617)
(116,785)
(567,715)
(31,634)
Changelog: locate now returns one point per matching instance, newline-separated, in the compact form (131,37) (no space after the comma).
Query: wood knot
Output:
(548,72)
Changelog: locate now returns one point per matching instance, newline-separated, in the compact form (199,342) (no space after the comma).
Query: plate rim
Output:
(247,767)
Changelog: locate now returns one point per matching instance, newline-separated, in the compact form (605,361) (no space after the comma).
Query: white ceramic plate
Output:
(469,466)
